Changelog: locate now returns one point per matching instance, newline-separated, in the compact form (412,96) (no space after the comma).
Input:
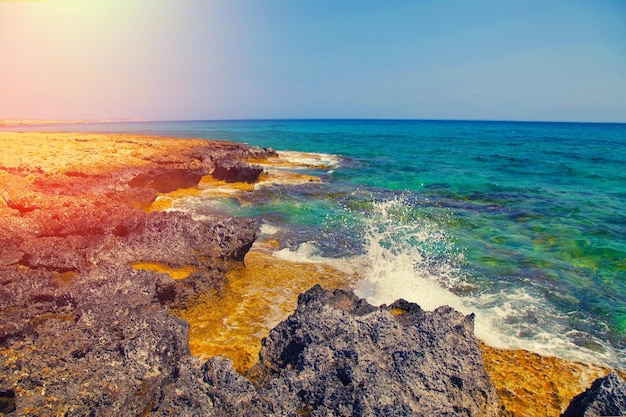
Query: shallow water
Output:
(521,223)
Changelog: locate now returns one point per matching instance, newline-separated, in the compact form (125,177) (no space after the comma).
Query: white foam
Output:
(516,319)
(309,252)
(391,276)
(393,268)
(396,268)
(269,229)
(310,159)
(210,192)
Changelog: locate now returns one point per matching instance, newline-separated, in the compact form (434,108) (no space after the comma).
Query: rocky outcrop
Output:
(97,336)
(236,171)
(337,355)
(102,346)
(605,397)
(98,344)
(77,190)
(81,331)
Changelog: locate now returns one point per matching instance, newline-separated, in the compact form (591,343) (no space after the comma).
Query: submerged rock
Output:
(533,385)
(605,397)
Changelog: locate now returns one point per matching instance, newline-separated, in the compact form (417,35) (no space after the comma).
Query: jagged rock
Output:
(231,170)
(100,345)
(605,397)
(337,355)
(232,392)
(81,332)
(236,168)
(168,180)
(172,238)
(178,240)
(103,345)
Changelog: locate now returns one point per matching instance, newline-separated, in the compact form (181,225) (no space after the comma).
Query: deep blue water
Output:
(523,223)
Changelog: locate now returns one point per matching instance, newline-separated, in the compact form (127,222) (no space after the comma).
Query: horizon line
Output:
(25,122)
(399,119)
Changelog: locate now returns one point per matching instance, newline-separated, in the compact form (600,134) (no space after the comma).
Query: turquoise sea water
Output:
(522,223)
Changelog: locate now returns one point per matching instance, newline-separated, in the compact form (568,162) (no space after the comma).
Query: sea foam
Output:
(410,257)
(310,159)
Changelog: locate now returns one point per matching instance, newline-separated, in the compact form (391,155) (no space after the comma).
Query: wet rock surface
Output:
(236,171)
(530,384)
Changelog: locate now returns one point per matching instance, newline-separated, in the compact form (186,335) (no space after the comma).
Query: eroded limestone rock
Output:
(337,355)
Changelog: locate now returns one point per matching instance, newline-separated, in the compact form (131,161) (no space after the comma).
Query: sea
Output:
(522,224)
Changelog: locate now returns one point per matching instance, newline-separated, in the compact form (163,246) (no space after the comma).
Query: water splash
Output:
(407,256)
(410,255)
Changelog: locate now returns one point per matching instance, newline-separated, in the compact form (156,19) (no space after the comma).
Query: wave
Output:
(310,159)
(411,257)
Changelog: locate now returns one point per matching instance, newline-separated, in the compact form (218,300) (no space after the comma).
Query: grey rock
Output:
(173,238)
(88,335)
(176,239)
(233,166)
(337,355)
(232,170)
(104,346)
(170,180)
(605,397)
(100,345)
(231,392)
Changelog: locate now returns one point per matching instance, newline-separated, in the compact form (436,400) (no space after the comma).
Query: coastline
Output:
(87,192)
(8,123)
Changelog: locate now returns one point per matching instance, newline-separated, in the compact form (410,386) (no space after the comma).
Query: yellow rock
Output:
(259,295)
(534,385)
(175,273)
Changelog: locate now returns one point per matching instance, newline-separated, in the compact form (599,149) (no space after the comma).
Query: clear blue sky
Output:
(209,59)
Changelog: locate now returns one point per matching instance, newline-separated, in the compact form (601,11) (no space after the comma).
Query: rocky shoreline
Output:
(83,332)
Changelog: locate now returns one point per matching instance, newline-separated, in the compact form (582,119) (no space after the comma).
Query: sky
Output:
(556,60)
